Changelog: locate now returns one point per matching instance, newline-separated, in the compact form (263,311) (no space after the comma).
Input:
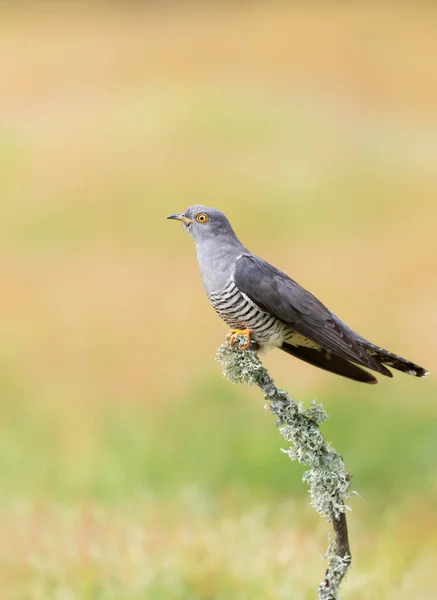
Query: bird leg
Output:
(237,332)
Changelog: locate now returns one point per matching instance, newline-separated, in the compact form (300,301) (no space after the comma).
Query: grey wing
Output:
(277,294)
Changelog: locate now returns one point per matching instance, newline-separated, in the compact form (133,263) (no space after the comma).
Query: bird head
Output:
(204,223)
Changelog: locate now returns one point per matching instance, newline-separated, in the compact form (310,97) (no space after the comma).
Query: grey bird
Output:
(255,298)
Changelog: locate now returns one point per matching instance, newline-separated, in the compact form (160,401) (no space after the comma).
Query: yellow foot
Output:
(235,332)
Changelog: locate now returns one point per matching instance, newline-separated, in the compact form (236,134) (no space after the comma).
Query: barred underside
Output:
(239,312)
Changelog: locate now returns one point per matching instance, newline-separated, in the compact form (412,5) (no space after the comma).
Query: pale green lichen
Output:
(328,481)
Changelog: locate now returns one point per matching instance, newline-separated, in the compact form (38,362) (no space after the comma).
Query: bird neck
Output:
(217,261)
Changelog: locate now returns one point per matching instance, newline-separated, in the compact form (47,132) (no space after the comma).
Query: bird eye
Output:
(202,218)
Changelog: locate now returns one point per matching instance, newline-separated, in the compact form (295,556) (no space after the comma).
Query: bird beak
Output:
(180,217)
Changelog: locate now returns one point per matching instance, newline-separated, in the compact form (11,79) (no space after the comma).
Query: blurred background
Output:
(129,468)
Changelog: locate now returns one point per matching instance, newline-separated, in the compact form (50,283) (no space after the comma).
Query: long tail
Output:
(340,366)
(393,360)
(332,363)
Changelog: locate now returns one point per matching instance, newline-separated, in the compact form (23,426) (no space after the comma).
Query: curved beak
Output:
(180,217)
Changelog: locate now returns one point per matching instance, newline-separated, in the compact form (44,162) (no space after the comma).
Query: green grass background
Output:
(129,468)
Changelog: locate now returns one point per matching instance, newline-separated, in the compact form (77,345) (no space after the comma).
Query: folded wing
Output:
(277,294)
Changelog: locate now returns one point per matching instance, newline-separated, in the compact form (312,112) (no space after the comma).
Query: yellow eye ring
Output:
(202,218)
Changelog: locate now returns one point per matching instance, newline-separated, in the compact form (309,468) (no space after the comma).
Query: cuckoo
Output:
(255,298)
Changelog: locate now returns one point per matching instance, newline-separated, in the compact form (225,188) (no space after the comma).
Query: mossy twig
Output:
(329,483)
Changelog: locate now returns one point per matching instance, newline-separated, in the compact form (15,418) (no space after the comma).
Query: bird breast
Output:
(239,312)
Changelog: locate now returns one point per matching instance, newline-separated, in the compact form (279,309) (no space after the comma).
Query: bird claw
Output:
(236,332)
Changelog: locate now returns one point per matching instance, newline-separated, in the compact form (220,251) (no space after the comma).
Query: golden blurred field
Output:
(129,468)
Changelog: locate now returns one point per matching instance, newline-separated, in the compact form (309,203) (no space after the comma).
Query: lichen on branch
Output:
(328,481)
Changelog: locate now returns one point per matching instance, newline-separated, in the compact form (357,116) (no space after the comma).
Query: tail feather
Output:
(330,362)
(394,361)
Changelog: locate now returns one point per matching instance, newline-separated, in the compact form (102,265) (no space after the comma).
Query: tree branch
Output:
(328,481)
